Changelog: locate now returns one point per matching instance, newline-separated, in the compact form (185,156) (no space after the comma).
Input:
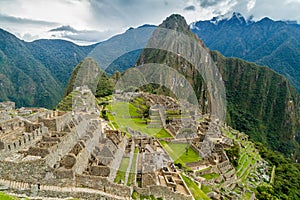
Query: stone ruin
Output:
(60,149)
(166,112)
(54,153)
(204,136)
(156,173)
(8,105)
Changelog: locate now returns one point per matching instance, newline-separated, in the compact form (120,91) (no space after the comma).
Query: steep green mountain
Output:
(36,73)
(23,78)
(59,56)
(266,42)
(86,73)
(259,101)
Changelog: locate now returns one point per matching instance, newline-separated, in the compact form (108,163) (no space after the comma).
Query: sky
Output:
(90,21)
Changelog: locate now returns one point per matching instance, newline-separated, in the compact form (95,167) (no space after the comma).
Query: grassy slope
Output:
(122,170)
(197,193)
(178,153)
(125,114)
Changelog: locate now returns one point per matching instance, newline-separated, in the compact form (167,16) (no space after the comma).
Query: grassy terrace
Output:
(178,152)
(246,161)
(120,178)
(210,176)
(248,157)
(197,193)
(123,114)
(132,173)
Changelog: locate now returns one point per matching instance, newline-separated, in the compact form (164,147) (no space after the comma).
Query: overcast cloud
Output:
(87,21)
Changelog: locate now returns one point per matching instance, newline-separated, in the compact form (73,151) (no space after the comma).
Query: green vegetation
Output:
(273,174)
(132,173)
(258,102)
(105,86)
(197,193)
(210,176)
(178,152)
(286,179)
(36,73)
(205,169)
(247,195)
(243,158)
(259,115)
(206,188)
(233,154)
(141,106)
(4,196)
(163,134)
(67,102)
(120,178)
(125,114)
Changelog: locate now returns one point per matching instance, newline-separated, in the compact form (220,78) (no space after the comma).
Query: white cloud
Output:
(292,1)
(251,5)
(33,18)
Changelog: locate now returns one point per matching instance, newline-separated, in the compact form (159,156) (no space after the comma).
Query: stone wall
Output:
(103,184)
(82,157)
(159,191)
(30,171)
(9,125)
(56,122)
(26,139)
(67,143)
(32,189)
(117,159)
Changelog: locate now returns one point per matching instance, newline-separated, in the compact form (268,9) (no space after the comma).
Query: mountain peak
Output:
(238,18)
(175,22)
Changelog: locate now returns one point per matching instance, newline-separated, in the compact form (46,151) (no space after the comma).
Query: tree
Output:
(105,86)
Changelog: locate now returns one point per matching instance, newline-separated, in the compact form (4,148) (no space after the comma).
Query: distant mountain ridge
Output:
(36,73)
(275,44)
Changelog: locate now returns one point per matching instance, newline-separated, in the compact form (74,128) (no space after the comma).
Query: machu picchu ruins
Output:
(46,153)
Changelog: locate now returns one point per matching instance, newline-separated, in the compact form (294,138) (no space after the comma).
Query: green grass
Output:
(205,169)
(173,112)
(120,177)
(244,176)
(273,174)
(206,188)
(210,176)
(125,115)
(163,134)
(4,196)
(197,193)
(106,98)
(178,152)
(132,173)
(228,133)
(247,195)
